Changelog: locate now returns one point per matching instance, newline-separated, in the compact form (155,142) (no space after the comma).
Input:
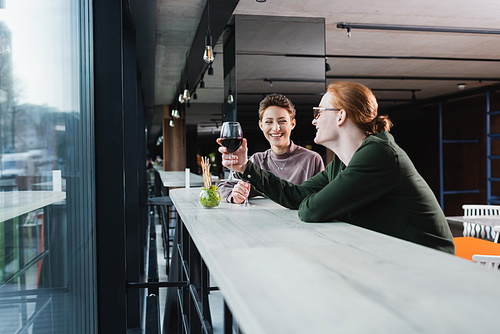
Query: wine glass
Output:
(231,137)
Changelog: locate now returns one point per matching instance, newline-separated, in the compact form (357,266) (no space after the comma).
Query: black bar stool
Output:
(166,211)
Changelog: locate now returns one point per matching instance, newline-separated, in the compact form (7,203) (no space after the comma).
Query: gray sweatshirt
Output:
(296,166)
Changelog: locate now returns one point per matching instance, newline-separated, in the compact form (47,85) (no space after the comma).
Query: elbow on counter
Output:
(308,216)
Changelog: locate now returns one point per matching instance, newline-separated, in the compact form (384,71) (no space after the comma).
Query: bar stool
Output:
(166,212)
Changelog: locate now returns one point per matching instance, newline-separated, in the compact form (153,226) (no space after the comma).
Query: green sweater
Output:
(380,190)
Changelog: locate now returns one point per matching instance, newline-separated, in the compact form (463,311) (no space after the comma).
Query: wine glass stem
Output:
(231,168)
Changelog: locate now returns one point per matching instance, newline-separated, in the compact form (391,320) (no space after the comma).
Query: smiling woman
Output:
(284,159)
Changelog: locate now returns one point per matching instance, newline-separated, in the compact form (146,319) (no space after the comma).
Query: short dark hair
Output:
(277,100)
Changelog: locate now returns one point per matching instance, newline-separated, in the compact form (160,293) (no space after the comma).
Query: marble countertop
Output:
(281,275)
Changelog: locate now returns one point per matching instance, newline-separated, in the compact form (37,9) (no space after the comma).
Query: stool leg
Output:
(165,239)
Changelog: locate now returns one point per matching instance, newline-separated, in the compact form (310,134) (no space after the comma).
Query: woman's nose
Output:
(276,126)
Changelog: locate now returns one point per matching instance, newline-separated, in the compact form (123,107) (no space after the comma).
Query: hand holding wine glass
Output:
(232,141)
(231,137)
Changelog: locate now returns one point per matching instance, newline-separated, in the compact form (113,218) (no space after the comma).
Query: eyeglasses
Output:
(318,110)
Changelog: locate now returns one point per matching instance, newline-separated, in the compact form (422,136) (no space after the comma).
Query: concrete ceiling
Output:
(395,64)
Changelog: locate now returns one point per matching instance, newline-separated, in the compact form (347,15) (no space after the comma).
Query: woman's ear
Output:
(293,123)
(260,124)
(342,116)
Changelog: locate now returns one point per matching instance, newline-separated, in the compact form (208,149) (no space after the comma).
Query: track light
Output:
(327,66)
(210,69)
(195,97)
(202,83)
(181,98)
(208,54)
(171,123)
(370,26)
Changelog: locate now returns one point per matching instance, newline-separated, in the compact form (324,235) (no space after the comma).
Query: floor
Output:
(215,297)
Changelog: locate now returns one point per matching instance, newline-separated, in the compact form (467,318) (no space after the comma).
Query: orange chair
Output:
(465,247)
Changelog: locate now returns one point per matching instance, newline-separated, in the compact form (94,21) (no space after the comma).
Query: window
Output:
(47,211)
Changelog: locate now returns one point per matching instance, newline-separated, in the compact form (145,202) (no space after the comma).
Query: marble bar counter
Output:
(17,203)
(278,274)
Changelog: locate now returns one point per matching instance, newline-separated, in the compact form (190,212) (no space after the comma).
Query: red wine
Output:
(232,144)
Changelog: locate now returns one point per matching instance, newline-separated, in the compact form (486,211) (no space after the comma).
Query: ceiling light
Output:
(461,86)
(202,82)
(327,66)
(260,0)
(195,97)
(210,69)
(208,54)
(181,98)
(230,97)
(171,123)
(186,96)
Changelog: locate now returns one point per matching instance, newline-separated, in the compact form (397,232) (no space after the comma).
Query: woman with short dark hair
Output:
(284,159)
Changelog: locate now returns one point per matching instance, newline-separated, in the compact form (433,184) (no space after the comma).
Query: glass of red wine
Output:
(232,137)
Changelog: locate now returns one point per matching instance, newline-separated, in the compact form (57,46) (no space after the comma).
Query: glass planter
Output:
(210,198)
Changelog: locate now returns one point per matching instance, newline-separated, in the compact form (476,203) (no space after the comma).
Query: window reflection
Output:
(46,258)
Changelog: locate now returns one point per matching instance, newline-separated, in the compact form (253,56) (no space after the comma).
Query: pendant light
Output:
(186,95)
(210,69)
(208,55)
